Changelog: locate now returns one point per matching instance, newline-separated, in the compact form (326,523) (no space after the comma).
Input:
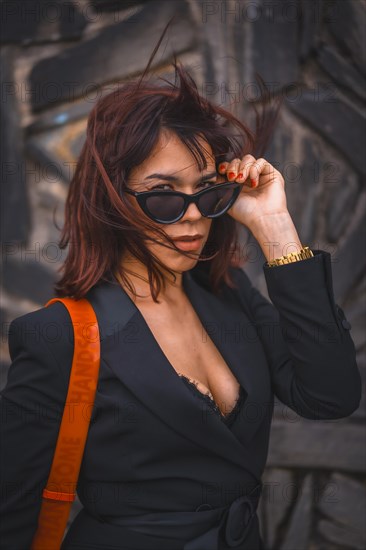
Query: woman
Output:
(192,353)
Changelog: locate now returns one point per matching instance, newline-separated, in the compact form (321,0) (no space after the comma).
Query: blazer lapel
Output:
(239,344)
(132,352)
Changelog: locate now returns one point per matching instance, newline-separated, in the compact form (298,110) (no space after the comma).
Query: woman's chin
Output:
(183,263)
(177,260)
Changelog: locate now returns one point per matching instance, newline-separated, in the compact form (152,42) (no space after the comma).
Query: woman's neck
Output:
(137,274)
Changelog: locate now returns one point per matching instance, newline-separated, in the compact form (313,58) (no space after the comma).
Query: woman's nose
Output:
(192,213)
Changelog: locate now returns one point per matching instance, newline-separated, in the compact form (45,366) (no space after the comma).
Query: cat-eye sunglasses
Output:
(170,206)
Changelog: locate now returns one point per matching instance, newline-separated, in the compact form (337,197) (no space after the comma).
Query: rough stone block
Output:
(116,52)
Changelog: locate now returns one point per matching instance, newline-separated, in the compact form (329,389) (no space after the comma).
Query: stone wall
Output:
(59,57)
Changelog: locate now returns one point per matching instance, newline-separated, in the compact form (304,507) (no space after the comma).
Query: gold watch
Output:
(304,253)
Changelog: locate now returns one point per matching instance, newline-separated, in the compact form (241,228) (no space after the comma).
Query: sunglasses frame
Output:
(142,196)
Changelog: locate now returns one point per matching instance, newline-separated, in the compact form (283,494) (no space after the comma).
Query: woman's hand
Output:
(262,193)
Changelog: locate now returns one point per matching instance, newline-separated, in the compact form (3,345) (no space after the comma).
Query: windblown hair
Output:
(122,130)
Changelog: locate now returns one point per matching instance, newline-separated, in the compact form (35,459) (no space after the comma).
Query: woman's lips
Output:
(189,245)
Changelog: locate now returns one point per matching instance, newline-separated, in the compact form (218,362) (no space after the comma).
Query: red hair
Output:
(122,129)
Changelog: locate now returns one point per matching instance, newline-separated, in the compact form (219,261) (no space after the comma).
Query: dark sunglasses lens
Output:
(165,208)
(215,202)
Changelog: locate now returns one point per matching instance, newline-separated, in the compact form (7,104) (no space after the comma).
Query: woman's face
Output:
(170,157)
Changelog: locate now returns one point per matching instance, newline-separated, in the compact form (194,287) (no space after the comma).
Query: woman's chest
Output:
(192,353)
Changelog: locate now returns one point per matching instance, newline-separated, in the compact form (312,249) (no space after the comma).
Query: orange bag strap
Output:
(60,491)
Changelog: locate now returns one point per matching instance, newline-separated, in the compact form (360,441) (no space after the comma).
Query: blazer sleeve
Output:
(306,338)
(32,404)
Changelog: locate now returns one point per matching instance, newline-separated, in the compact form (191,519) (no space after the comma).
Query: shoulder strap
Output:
(60,490)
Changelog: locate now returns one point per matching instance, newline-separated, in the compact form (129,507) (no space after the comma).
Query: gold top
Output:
(304,253)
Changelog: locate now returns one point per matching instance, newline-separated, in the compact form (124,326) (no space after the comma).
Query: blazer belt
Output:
(232,521)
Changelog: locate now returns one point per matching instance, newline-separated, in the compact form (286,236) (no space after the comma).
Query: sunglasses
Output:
(170,206)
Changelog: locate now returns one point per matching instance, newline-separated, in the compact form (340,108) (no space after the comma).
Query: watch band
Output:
(304,253)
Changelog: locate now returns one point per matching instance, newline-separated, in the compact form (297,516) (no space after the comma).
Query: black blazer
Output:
(154,451)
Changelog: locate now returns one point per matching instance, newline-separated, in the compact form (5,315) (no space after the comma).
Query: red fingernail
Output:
(253,183)
(221,166)
(231,175)
(240,175)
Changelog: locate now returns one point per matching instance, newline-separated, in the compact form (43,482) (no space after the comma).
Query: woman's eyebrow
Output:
(170,177)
